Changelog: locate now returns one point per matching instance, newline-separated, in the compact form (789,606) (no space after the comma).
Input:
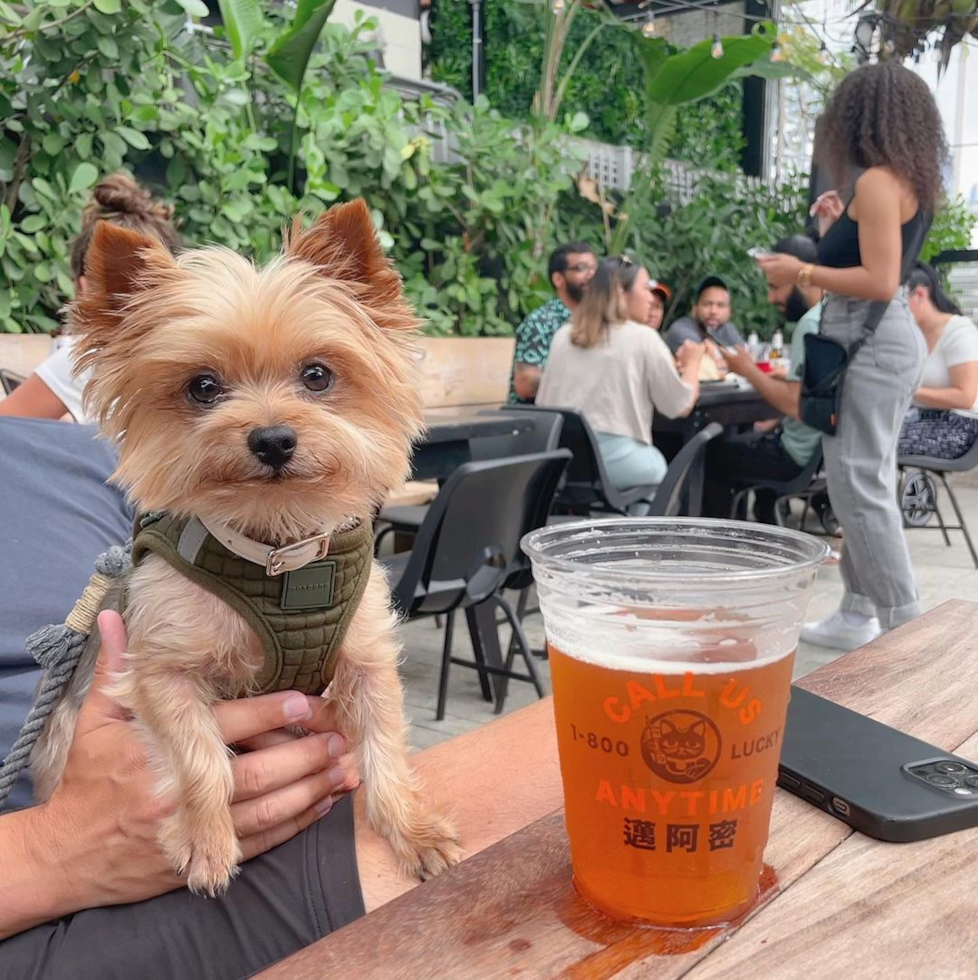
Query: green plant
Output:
(209,122)
(681,243)
(605,85)
(671,81)
(953,227)
(88,86)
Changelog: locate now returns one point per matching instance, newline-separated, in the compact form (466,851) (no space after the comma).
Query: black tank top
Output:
(839,248)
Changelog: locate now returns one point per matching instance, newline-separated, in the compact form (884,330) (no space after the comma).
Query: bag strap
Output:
(878,309)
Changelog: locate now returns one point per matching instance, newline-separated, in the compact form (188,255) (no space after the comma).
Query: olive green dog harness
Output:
(300,616)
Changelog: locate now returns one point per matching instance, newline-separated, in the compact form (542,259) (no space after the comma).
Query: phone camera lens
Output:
(950,767)
(971,781)
(938,779)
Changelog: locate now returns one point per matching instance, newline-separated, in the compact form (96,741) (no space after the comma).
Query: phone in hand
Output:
(712,334)
(879,780)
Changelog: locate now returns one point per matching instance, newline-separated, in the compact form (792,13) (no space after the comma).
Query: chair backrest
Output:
(587,483)
(668,501)
(469,542)
(9,380)
(542,437)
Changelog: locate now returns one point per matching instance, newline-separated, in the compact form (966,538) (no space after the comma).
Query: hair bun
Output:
(121,194)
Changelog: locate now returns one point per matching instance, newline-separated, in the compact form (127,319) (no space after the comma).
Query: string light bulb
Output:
(777,54)
(557,6)
(888,48)
(717,50)
(648,28)
(823,54)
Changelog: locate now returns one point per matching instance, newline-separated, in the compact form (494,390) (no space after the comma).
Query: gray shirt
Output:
(58,516)
(686,328)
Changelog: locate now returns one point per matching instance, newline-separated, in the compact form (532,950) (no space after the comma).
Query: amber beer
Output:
(668,783)
(671,648)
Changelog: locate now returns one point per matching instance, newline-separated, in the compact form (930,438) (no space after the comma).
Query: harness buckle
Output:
(277,557)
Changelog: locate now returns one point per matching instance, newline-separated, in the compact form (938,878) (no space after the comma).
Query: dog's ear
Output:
(344,245)
(119,264)
(120,261)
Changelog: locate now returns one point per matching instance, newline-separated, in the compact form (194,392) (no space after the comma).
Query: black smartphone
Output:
(712,334)
(880,781)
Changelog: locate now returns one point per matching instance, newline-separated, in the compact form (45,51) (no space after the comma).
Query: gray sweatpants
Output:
(860,459)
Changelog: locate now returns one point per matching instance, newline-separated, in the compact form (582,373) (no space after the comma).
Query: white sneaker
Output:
(842,631)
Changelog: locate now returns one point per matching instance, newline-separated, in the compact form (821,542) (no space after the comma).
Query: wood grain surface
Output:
(466,370)
(847,906)
(21,353)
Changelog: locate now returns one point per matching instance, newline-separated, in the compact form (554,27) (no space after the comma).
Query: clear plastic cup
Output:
(671,648)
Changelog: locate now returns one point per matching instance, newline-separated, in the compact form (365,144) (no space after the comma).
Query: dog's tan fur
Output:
(147,324)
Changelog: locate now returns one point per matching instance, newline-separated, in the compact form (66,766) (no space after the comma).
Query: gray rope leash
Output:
(58,649)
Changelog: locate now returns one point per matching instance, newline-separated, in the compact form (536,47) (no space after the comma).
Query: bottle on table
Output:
(754,347)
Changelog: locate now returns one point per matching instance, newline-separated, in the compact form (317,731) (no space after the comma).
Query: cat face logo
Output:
(680,746)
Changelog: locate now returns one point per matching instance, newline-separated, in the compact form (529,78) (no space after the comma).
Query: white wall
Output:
(401,36)
(957,98)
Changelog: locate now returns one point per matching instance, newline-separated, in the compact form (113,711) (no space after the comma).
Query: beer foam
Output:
(611,638)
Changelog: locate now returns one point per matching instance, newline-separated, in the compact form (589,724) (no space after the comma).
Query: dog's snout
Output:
(273,444)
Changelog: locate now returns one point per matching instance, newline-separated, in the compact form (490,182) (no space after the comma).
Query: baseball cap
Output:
(709,282)
(661,288)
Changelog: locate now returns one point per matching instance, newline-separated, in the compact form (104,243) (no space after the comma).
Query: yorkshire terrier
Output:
(261,413)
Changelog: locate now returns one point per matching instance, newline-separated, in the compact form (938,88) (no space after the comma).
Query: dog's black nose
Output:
(273,444)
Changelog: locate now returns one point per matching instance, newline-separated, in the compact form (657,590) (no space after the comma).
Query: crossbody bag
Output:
(826,360)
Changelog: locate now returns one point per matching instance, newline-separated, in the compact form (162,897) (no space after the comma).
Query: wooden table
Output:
(447,444)
(20,354)
(848,906)
(723,402)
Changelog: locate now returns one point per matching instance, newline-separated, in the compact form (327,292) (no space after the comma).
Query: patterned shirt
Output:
(533,337)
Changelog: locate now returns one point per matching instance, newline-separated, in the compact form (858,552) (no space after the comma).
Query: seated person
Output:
(944,420)
(88,891)
(710,312)
(607,364)
(52,391)
(781,454)
(661,295)
(570,268)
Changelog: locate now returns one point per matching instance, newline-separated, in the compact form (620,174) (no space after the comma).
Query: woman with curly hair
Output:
(884,142)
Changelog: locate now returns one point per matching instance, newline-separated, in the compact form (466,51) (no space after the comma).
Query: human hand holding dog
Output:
(94,842)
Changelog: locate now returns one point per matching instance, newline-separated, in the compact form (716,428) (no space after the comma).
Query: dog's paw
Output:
(208,857)
(427,846)
(211,868)
(176,841)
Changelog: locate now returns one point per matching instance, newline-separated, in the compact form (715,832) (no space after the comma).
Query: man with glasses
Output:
(571,268)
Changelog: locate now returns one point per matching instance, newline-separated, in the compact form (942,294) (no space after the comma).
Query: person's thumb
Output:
(99,708)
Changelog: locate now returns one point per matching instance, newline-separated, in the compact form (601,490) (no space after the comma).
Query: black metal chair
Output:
(669,499)
(544,436)
(678,484)
(804,486)
(587,488)
(465,551)
(918,492)
(9,380)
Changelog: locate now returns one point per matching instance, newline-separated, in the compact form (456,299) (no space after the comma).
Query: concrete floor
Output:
(942,573)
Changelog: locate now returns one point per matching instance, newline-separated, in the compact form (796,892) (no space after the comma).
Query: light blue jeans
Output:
(630,463)
(860,459)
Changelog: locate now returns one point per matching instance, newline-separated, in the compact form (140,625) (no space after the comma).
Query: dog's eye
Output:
(317,377)
(205,389)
